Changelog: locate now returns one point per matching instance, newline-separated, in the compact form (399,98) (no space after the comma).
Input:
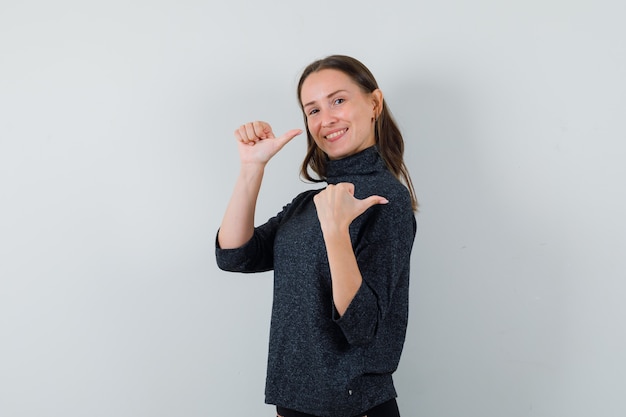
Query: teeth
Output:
(334,135)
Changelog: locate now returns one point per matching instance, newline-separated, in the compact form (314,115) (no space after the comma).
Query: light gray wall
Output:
(117,159)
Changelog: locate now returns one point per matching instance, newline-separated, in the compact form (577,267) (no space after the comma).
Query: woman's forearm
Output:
(238,222)
(344,270)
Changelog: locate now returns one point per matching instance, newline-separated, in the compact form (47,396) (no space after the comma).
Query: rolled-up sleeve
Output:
(256,255)
(253,256)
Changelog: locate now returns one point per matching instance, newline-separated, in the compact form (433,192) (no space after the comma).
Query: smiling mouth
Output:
(335,135)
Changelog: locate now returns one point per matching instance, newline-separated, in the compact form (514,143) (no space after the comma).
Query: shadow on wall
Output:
(486,305)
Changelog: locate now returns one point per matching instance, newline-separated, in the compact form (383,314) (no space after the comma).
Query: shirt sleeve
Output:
(383,250)
(256,255)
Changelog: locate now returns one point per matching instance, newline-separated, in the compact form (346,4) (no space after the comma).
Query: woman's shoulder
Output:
(306,195)
(301,199)
(387,185)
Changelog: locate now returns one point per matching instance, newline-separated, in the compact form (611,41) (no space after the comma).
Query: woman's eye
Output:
(339,100)
(312,112)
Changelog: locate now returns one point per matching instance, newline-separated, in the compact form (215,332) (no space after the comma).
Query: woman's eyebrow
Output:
(328,96)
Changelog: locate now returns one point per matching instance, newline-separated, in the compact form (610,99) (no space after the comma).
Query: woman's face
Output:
(340,116)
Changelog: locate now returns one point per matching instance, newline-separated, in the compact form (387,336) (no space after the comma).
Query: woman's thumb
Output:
(286,137)
(373,200)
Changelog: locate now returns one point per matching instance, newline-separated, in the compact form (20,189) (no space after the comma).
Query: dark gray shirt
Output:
(320,363)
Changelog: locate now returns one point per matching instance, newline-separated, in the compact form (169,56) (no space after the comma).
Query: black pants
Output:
(387,409)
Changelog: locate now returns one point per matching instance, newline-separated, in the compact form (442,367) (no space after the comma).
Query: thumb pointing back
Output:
(372,201)
(288,136)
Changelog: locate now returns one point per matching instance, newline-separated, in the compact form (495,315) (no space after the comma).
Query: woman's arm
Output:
(382,248)
(345,274)
(336,209)
(257,145)
(238,222)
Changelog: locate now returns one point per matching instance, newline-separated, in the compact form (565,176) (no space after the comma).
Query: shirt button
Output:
(349,392)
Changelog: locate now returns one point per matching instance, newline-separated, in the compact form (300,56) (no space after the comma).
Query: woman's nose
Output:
(328,118)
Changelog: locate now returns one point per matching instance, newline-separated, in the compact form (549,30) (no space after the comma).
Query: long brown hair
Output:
(388,137)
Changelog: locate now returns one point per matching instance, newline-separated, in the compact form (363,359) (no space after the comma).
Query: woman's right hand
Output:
(257,143)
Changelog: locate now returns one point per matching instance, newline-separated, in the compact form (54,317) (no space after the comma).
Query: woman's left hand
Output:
(337,207)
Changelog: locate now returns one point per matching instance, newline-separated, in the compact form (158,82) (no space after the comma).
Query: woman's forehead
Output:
(324,83)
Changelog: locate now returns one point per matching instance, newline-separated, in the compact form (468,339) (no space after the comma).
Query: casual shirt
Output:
(319,362)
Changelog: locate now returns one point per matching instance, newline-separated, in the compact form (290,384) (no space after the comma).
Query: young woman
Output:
(340,255)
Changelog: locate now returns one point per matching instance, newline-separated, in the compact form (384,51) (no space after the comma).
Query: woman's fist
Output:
(257,143)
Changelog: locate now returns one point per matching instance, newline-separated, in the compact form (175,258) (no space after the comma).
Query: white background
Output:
(117,159)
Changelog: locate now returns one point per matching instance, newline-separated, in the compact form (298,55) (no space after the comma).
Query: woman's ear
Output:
(377,99)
